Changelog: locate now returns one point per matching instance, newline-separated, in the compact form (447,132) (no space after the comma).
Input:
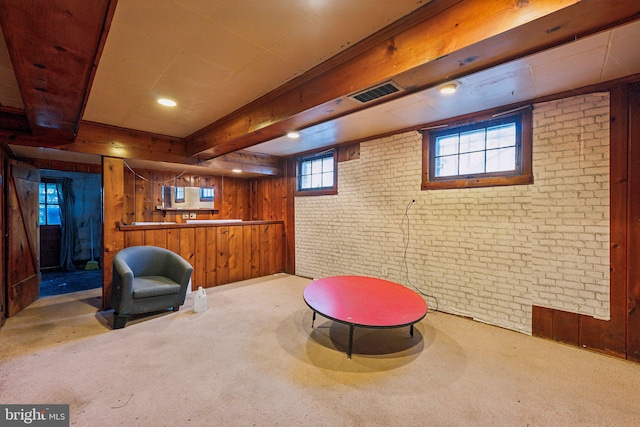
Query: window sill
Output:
(325,192)
(479,182)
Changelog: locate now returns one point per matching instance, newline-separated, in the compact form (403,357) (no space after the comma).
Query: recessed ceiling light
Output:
(448,88)
(293,135)
(167,102)
(236,170)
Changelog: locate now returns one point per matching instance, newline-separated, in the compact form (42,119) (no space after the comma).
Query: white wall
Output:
(488,253)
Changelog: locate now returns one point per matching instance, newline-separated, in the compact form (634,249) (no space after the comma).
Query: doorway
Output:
(70,261)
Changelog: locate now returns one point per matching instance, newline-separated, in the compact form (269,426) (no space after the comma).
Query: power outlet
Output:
(385,272)
(192,215)
(185,216)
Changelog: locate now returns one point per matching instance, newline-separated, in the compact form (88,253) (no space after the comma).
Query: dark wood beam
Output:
(460,38)
(54,47)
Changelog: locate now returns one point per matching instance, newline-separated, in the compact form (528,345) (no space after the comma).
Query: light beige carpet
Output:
(252,359)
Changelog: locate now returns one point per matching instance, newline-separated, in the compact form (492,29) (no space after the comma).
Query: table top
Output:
(365,301)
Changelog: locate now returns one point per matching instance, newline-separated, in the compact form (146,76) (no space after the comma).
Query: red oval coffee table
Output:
(365,302)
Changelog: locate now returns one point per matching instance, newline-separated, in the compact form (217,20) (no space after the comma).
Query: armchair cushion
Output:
(154,286)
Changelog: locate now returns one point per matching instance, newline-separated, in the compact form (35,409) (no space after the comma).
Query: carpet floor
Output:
(253,359)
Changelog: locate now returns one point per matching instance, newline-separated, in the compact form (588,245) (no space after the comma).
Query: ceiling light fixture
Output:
(293,135)
(167,102)
(236,170)
(447,89)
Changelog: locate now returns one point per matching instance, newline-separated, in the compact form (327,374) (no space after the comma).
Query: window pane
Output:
(472,141)
(305,182)
(41,192)
(316,180)
(53,215)
(501,136)
(316,166)
(42,220)
(503,159)
(447,166)
(472,163)
(327,164)
(327,179)
(52,194)
(305,168)
(446,145)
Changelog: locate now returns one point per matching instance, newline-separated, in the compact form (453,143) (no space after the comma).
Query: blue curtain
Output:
(68,224)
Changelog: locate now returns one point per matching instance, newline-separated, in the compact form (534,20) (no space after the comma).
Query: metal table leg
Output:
(351,327)
(314,319)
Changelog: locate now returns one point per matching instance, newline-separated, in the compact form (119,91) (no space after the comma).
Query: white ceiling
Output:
(214,57)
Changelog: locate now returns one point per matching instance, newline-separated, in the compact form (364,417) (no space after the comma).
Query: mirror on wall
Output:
(186,198)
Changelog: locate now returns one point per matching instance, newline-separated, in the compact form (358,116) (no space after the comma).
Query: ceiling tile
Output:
(621,60)
(169,21)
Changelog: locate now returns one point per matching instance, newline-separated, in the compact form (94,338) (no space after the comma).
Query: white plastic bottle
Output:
(200,301)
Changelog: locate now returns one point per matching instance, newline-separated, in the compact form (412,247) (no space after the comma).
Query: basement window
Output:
(48,204)
(486,153)
(317,174)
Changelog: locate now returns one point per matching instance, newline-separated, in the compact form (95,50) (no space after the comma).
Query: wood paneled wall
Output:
(263,244)
(220,254)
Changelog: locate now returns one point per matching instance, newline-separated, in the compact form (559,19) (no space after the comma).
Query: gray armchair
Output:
(147,279)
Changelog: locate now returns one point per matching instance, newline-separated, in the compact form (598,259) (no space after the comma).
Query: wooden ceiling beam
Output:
(464,37)
(103,140)
(55,46)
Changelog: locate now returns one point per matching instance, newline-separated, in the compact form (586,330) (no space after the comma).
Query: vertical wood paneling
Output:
(265,250)
(134,238)
(288,216)
(247,252)
(199,265)
(113,239)
(187,244)
(273,199)
(633,285)
(3,241)
(542,322)
(211,257)
(156,238)
(173,240)
(235,253)
(222,261)
(255,251)
(129,207)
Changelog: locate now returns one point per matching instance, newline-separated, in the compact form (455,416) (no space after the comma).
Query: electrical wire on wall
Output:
(404,257)
(136,174)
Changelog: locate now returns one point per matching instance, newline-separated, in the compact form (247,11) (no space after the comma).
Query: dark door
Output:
(23,247)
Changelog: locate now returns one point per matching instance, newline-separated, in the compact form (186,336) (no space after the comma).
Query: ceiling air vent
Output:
(376,92)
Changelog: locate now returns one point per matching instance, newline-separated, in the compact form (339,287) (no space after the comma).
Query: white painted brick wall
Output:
(487,253)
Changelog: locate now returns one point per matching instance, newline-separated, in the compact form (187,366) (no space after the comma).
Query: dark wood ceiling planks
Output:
(54,47)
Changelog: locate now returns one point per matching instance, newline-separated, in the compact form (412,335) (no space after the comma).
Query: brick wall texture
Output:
(487,253)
